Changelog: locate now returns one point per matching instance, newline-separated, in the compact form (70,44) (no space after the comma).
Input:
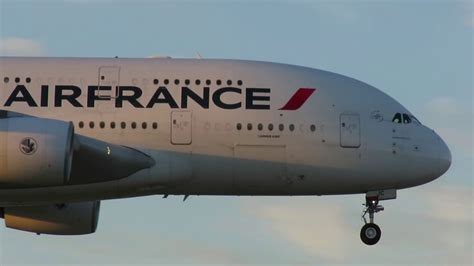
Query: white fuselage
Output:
(265,129)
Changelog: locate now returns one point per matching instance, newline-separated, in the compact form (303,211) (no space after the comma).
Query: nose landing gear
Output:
(370,232)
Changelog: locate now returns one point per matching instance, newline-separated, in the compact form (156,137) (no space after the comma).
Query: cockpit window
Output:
(400,118)
(415,120)
(406,119)
(397,118)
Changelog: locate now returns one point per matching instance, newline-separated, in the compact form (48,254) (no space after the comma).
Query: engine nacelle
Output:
(35,152)
(61,219)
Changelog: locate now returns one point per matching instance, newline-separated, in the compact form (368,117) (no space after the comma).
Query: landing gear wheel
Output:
(370,234)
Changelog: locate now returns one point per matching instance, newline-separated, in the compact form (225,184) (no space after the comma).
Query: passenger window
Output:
(397,118)
(406,119)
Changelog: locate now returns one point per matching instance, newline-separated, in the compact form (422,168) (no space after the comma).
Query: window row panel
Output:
(122,125)
(271,127)
(197,82)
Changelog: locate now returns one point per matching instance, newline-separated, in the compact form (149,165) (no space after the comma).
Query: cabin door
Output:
(109,80)
(181,127)
(350,130)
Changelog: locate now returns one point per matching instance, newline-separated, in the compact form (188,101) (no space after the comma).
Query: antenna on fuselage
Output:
(159,57)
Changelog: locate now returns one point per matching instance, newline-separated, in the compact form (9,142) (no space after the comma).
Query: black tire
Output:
(370,234)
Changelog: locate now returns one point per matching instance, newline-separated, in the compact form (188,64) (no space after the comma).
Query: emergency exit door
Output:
(181,127)
(350,130)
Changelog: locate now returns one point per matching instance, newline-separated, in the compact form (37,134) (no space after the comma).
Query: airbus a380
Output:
(75,131)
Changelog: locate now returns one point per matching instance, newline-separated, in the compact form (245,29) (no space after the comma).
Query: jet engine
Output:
(59,219)
(39,152)
(34,151)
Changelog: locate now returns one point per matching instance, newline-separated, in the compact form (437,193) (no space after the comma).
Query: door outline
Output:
(108,76)
(245,179)
(349,130)
(181,132)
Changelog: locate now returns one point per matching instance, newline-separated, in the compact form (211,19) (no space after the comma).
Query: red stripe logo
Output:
(298,99)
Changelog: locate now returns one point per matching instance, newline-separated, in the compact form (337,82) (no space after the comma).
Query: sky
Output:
(419,52)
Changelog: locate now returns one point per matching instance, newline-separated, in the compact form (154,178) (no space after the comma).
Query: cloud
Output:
(450,203)
(88,1)
(470,16)
(452,120)
(13,46)
(443,105)
(291,222)
(340,11)
(457,138)
(435,221)
(450,207)
(317,227)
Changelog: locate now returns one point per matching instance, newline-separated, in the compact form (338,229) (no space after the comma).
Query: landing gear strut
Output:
(370,232)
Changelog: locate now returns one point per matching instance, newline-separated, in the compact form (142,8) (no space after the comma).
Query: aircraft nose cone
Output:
(444,157)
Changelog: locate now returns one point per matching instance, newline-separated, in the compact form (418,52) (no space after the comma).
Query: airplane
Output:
(76,131)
